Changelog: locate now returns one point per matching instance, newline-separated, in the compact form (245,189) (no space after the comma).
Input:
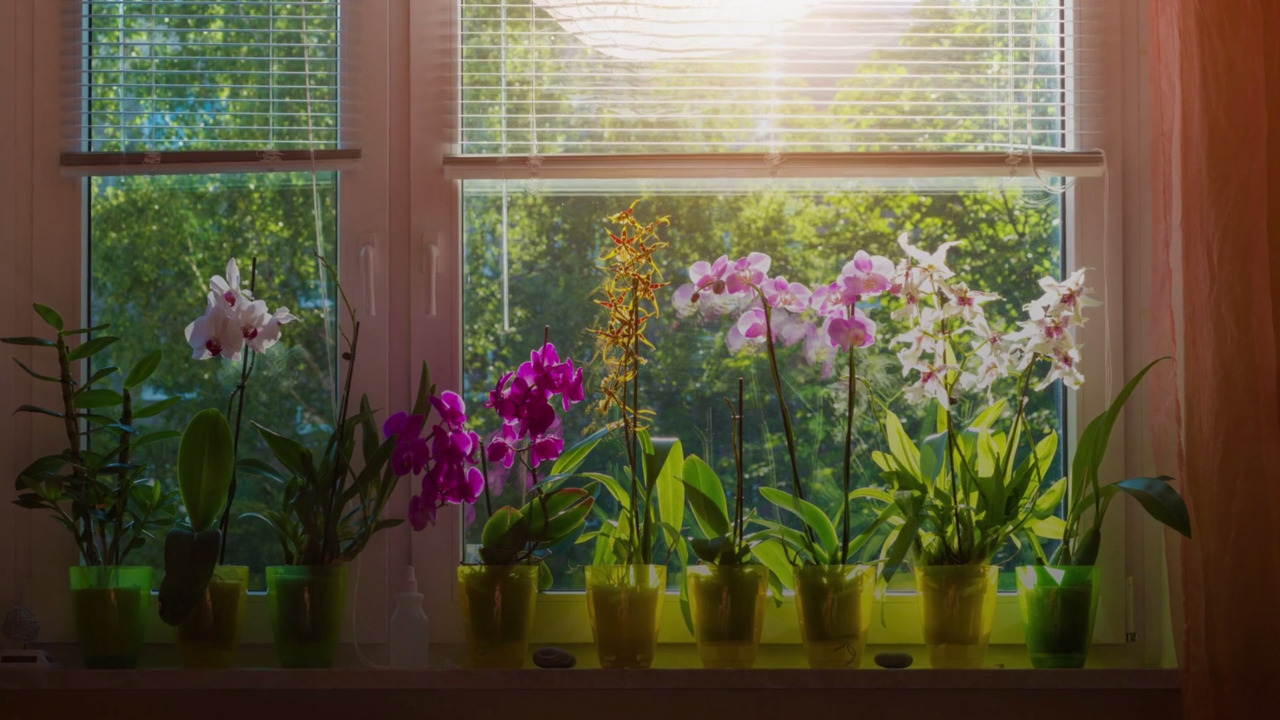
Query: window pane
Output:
(554,234)
(210,74)
(154,244)
(653,76)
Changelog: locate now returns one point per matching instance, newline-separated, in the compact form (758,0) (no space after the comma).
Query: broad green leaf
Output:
(1049,528)
(1095,438)
(540,514)
(144,369)
(933,453)
(810,514)
(290,453)
(706,497)
(900,446)
(30,341)
(614,487)
(771,554)
(36,375)
(95,398)
(189,561)
(155,408)
(1160,500)
(92,347)
(497,531)
(671,492)
(50,316)
(155,437)
(206,462)
(572,458)
(1049,500)
(563,526)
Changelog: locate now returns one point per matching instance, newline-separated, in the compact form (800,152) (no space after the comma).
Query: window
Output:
(805,130)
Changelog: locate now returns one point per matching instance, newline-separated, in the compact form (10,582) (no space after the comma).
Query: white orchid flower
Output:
(1069,297)
(269,333)
(965,303)
(215,333)
(931,384)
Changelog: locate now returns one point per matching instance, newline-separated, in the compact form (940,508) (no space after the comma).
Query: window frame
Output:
(1095,233)
(41,551)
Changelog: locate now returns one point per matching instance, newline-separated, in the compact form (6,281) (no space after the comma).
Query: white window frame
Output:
(1095,210)
(399,202)
(45,247)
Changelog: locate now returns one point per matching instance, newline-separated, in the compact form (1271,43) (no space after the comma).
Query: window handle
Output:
(368,267)
(431,268)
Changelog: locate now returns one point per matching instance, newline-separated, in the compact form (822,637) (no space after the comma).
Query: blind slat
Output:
(158,76)
(553,77)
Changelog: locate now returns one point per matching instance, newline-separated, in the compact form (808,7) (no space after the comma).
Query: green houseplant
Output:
(727,592)
(97,492)
(833,597)
(626,589)
(201,595)
(499,593)
(332,506)
(1059,600)
(962,494)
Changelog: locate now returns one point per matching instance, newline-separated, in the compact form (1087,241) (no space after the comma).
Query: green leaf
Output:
(155,437)
(93,399)
(144,369)
(254,466)
(546,580)
(422,403)
(671,492)
(155,408)
(81,331)
(900,446)
(36,375)
(92,347)
(541,516)
(706,497)
(772,555)
(206,461)
(572,458)
(1049,528)
(1160,500)
(811,515)
(497,531)
(98,375)
(38,410)
(1049,500)
(1096,437)
(50,316)
(290,453)
(30,341)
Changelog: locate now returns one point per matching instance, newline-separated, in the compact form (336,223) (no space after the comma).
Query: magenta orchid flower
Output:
(856,331)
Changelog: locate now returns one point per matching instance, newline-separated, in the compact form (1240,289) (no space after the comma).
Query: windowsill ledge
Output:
(778,689)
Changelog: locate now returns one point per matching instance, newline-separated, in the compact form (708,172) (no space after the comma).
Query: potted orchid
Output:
(99,493)
(962,493)
(331,507)
(201,595)
(1059,600)
(626,588)
(833,596)
(499,593)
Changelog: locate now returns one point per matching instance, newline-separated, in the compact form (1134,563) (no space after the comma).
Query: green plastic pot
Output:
(112,606)
(1059,605)
(307,607)
(210,636)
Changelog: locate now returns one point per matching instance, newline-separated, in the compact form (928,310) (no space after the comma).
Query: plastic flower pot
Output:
(1058,606)
(210,636)
(306,605)
(498,603)
(727,603)
(957,609)
(624,603)
(112,605)
(834,605)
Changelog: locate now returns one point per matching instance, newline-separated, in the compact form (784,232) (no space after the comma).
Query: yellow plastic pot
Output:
(624,603)
(727,604)
(957,609)
(498,603)
(834,605)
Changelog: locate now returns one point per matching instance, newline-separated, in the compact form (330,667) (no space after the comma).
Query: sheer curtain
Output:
(1216,173)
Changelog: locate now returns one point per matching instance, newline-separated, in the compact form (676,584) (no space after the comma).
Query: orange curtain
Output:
(1216,278)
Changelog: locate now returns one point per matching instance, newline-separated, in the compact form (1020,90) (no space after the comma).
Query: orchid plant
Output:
(99,494)
(330,510)
(653,498)
(454,462)
(961,494)
(772,312)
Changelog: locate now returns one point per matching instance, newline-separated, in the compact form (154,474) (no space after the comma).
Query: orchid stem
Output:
(782,404)
(246,369)
(848,453)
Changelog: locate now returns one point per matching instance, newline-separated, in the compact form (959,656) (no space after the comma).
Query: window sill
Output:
(778,688)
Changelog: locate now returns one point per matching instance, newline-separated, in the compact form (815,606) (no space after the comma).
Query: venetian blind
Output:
(207,75)
(549,77)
